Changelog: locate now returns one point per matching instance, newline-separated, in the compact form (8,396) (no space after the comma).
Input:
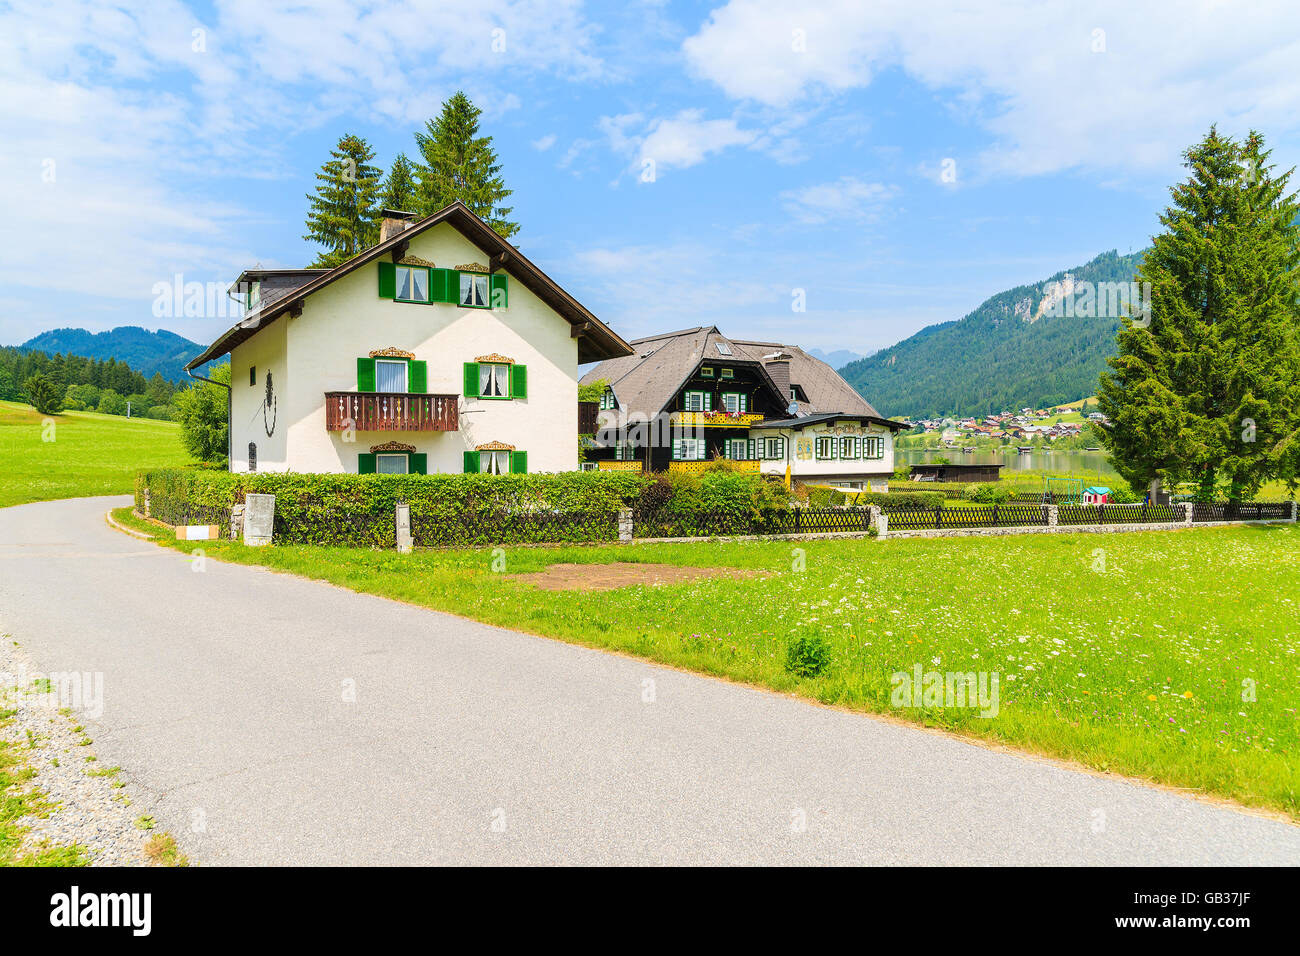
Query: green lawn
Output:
(1171,656)
(82,453)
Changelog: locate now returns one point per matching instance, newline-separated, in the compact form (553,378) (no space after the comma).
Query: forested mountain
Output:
(147,352)
(1034,345)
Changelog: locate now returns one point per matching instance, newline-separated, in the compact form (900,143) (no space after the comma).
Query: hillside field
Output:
(86,453)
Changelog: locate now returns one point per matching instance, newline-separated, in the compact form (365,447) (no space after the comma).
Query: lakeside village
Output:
(1064,426)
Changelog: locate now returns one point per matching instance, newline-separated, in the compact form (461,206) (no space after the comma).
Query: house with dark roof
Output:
(682,399)
(440,349)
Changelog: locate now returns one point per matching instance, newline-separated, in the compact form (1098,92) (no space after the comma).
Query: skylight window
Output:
(723,348)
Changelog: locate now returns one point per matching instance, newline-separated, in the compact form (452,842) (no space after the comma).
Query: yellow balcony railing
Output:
(715,419)
(618,466)
(697,466)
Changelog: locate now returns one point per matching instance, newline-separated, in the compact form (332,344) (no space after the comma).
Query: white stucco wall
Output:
(248,423)
(836,469)
(348,319)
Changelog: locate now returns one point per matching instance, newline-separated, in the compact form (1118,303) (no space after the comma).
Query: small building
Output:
(685,398)
(962,472)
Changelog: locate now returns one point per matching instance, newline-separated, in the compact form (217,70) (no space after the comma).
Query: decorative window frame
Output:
(824,442)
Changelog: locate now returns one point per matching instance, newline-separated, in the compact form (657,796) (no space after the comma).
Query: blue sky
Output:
(794,147)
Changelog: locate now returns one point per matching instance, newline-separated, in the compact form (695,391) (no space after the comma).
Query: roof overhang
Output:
(596,340)
(799,424)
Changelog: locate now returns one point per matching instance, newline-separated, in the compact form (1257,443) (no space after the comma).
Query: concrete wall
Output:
(348,319)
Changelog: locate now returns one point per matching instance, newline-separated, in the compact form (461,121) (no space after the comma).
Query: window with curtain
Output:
(494,462)
(390,376)
(412,284)
(850,448)
(688,449)
(825,448)
(390,464)
(494,381)
(734,403)
(695,402)
(474,290)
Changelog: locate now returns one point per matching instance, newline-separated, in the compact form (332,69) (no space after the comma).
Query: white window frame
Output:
(397,283)
(771,449)
(827,440)
(873,447)
(704,401)
(490,462)
(406,375)
(742,402)
(692,449)
(854,445)
(472,290)
(405,459)
(493,368)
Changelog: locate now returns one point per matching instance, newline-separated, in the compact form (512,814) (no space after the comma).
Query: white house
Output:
(686,397)
(441,349)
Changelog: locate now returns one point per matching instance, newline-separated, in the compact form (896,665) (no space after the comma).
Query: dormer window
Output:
(474,291)
(254,295)
(607,399)
(728,373)
(706,371)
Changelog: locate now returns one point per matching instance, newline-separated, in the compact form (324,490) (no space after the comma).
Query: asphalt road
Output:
(226,704)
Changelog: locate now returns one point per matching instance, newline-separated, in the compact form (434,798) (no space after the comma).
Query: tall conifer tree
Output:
(398,191)
(342,217)
(1206,386)
(458,163)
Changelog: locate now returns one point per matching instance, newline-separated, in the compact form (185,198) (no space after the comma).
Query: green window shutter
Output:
(677,449)
(519,463)
(365,464)
(418,379)
(744,404)
(500,294)
(471,462)
(471,381)
(518,381)
(365,375)
(387,280)
(417,463)
(453,287)
(438,286)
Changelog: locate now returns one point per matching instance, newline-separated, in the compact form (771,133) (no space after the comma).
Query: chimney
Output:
(392,221)
(777,365)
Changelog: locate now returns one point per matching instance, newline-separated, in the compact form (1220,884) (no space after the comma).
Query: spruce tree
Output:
(398,191)
(343,209)
(1204,387)
(458,163)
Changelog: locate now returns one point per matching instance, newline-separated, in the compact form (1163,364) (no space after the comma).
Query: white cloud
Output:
(1028,71)
(675,142)
(847,198)
(542,144)
(152,126)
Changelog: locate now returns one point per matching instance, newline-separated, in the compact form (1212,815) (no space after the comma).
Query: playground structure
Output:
(1063,491)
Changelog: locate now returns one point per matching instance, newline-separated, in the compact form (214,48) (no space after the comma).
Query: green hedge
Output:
(822,497)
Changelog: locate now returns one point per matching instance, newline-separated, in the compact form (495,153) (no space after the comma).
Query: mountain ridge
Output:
(1025,346)
(144,350)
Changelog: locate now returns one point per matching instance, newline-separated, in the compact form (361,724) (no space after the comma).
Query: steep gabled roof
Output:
(647,381)
(596,340)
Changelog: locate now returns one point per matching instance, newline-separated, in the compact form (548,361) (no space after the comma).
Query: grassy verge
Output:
(1169,656)
(77,454)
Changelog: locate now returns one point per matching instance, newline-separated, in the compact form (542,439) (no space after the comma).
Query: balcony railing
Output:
(748,464)
(391,412)
(715,419)
(618,466)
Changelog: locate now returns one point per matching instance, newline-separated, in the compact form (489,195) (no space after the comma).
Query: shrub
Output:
(1123,495)
(807,656)
(987,494)
(43,394)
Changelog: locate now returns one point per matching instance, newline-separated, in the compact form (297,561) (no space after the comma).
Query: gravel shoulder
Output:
(71,809)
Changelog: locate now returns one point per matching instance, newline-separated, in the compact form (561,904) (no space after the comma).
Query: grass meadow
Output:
(1168,656)
(80,454)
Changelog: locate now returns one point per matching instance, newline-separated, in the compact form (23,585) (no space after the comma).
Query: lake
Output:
(1079,463)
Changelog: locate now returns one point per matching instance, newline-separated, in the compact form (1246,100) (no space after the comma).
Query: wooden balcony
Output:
(715,419)
(747,465)
(391,412)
